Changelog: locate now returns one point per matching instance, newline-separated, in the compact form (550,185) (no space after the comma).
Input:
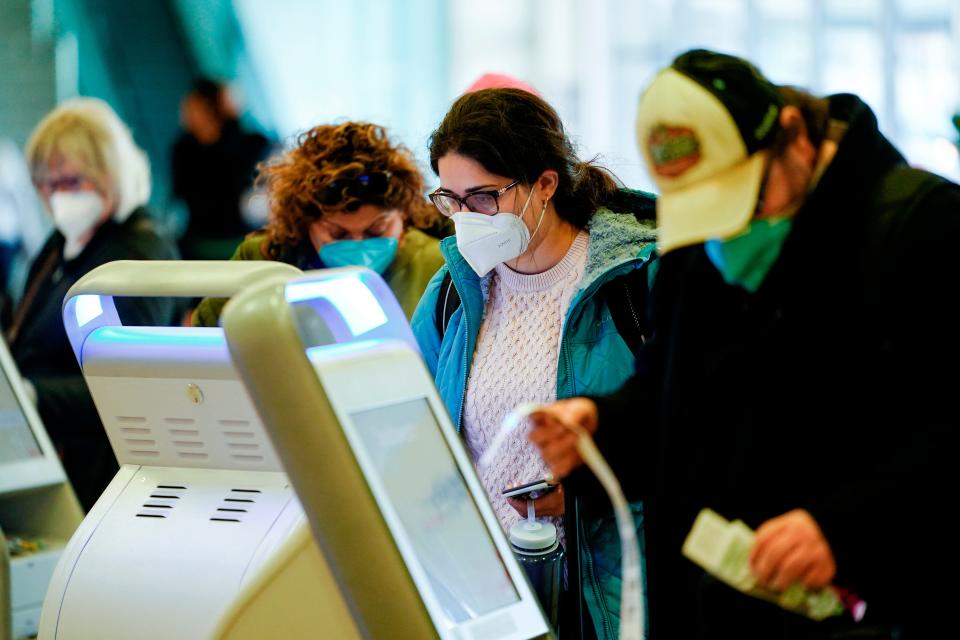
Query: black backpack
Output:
(626,298)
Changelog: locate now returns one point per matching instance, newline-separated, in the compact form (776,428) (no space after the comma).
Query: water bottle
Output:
(536,546)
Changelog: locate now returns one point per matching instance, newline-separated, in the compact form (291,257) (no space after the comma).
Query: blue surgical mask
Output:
(373,253)
(746,259)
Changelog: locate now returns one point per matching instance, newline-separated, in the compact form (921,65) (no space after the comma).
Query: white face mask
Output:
(485,241)
(75,212)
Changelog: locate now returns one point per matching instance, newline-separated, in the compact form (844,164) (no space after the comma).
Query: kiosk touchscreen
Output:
(389,490)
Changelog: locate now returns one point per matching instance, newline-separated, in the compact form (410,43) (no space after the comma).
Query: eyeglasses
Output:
(368,186)
(486,202)
(63,183)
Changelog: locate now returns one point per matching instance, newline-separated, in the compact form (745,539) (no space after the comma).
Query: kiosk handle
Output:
(178,278)
(89,304)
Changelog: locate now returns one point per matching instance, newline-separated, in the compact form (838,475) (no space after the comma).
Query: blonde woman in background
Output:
(94,182)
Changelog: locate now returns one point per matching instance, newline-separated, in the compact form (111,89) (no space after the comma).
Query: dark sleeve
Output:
(889,528)
(627,432)
(64,402)
(143,243)
(627,429)
(180,168)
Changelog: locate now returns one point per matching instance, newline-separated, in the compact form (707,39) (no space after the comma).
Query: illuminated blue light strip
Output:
(353,300)
(162,336)
(87,308)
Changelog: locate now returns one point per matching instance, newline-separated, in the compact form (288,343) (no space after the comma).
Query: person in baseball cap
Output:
(802,321)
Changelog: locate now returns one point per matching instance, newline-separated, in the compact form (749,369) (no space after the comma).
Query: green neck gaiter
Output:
(746,259)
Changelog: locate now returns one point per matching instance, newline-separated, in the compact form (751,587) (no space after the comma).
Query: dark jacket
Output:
(42,351)
(211,178)
(831,389)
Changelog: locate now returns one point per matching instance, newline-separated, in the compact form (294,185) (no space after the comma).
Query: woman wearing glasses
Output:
(95,183)
(536,265)
(345,195)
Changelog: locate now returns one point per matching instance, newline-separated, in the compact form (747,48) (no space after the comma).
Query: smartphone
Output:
(530,490)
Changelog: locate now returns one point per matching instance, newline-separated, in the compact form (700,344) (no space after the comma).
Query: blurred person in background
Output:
(345,195)
(500,81)
(95,183)
(214,164)
(24,226)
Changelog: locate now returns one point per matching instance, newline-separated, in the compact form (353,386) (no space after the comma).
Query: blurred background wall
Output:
(296,63)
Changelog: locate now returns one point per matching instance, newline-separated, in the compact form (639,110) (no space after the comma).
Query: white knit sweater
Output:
(516,361)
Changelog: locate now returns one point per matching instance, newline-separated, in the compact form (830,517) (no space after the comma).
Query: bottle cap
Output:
(533,536)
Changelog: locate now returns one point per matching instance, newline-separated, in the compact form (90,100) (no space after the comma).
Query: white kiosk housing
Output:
(200,500)
(391,495)
(36,501)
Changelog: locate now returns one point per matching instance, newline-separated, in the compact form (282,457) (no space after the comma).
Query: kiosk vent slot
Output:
(234,423)
(135,430)
(246,457)
(236,505)
(188,443)
(179,420)
(167,493)
(162,499)
(138,438)
(140,442)
(184,433)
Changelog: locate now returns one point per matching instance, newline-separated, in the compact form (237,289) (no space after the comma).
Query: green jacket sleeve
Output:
(207,313)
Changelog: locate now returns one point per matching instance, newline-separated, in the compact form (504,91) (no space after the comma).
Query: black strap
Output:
(626,298)
(447,303)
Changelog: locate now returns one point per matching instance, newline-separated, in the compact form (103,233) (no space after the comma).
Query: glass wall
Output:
(401,62)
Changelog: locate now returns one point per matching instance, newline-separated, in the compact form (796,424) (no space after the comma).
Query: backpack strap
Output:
(626,299)
(447,302)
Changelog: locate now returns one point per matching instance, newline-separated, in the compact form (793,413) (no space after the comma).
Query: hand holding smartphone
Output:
(530,490)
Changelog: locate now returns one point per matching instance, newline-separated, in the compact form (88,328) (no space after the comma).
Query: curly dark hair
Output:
(516,134)
(296,180)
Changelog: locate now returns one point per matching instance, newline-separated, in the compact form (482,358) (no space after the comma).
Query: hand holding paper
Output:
(723,549)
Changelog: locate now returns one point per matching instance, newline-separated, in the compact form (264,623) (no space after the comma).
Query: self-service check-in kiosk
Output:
(391,495)
(200,500)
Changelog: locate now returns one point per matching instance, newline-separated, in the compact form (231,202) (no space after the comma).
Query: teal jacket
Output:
(593,360)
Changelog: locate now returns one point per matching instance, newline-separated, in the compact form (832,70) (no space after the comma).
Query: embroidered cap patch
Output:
(673,150)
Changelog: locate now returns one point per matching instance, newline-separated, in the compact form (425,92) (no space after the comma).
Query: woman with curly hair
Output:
(345,195)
